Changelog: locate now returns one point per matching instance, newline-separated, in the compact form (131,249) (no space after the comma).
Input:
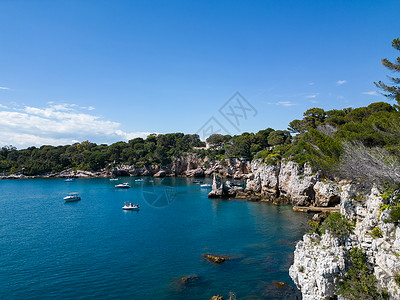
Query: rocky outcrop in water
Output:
(320,260)
(215,258)
(223,189)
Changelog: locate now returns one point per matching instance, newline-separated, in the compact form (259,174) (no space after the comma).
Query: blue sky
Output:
(113,70)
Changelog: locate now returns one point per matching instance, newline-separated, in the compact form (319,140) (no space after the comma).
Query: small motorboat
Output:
(69,180)
(72,197)
(139,180)
(113,179)
(206,185)
(197,181)
(130,206)
(124,185)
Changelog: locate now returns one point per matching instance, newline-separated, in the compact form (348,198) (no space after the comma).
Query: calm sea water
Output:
(93,249)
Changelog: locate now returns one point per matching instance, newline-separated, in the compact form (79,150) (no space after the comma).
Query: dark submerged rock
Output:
(215,258)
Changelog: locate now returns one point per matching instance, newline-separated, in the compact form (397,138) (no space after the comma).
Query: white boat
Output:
(139,180)
(113,179)
(206,185)
(124,185)
(69,180)
(72,197)
(130,206)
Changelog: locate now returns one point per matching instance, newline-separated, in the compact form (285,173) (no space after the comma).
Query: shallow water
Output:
(93,249)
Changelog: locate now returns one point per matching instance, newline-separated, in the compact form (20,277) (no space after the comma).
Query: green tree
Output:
(261,138)
(297,126)
(393,91)
(314,117)
(279,137)
(216,139)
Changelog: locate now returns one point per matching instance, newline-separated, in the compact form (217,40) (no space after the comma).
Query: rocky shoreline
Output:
(189,165)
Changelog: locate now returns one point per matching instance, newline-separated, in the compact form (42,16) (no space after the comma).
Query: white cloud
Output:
(339,97)
(4,88)
(314,101)
(312,96)
(57,124)
(285,103)
(311,83)
(371,93)
(340,82)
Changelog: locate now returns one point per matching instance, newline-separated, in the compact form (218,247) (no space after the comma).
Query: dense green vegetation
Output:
(359,282)
(392,198)
(336,224)
(158,149)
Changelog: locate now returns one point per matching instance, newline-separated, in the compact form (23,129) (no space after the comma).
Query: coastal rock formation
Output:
(188,164)
(191,165)
(199,172)
(223,189)
(296,183)
(287,181)
(326,194)
(160,174)
(264,181)
(318,261)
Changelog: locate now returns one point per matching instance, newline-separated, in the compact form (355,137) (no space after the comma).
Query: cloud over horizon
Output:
(57,124)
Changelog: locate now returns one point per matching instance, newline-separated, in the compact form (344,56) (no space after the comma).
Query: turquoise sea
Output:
(93,249)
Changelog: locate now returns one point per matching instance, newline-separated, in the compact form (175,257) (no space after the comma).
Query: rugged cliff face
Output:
(288,182)
(319,261)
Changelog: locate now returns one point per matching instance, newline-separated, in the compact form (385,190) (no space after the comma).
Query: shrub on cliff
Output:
(395,214)
(359,282)
(337,225)
(314,227)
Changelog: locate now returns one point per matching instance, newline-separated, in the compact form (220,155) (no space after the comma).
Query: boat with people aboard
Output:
(114,179)
(124,185)
(69,180)
(72,197)
(139,180)
(130,206)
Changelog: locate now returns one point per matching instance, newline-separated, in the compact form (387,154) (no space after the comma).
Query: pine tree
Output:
(392,91)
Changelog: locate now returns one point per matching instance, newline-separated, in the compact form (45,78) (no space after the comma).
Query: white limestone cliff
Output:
(318,261)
